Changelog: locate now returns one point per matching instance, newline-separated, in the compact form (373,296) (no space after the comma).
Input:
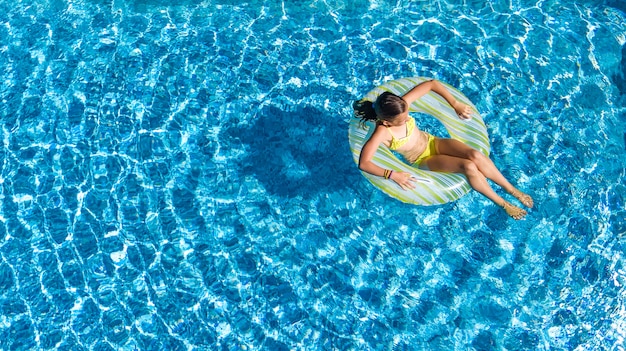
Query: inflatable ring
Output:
(431,188)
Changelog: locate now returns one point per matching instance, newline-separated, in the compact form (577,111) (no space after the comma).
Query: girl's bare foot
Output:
(513,211)
(523,198)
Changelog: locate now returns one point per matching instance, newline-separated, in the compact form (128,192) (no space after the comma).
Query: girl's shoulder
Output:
(381,133)
(379,127)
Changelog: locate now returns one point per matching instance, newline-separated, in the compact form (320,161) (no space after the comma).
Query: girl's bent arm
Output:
(404,179)
(422,89)
(368,151)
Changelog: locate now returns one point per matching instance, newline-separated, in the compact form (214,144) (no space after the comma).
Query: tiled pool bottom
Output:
(179,178)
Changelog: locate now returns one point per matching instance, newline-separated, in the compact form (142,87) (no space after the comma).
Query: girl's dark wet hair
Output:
(386,107)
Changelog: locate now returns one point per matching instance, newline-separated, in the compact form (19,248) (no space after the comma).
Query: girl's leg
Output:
(452,164)
(456,148)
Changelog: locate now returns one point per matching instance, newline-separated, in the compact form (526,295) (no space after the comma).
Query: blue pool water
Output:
(178,177)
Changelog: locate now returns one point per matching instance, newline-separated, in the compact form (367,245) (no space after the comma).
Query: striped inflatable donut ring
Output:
(431,188)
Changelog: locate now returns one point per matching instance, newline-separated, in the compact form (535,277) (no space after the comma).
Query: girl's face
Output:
(398,120)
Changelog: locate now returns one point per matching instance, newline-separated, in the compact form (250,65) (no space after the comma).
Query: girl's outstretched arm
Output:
(463,110)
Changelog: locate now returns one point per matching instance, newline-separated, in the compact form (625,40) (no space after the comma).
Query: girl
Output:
(397,130)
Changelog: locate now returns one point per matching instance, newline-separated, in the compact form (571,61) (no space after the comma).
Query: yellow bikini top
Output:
(395,143)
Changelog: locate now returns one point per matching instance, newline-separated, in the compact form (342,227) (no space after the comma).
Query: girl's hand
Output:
(463,110)
(404,179)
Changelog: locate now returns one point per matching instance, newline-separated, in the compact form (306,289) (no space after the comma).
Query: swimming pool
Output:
(178,177)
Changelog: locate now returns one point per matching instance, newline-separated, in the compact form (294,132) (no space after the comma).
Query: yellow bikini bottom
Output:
(430,150)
